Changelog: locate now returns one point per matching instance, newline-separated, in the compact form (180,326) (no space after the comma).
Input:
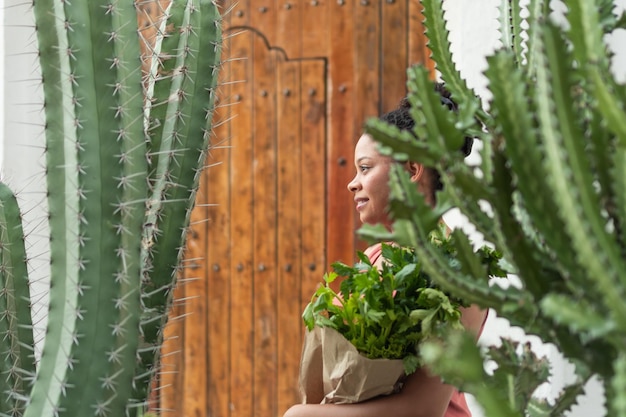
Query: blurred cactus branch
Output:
(548,194)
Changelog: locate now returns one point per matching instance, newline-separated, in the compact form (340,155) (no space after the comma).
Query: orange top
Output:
(458,406)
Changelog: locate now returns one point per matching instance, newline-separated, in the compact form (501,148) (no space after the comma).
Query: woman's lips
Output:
(360,203)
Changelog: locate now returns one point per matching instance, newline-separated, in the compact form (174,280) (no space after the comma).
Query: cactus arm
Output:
(536,8)
(439,44)
(156,288)
(517,30)
(440,132)
(618,185)
(16,337)
(510,19)
(608,103)
(617,400)
(133,189)
(517,248)
(590,50)
(103,54)
(192,132)
(513,112)
(184,138)
(505,19)
(603,154)
(587,42)
(569,397)
(91,320)
(62,204)
(569,175)
(161,76)
(579,317)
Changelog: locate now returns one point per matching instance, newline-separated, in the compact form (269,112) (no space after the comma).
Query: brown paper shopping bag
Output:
(333,371)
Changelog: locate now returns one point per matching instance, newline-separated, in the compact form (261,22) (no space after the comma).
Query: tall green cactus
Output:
(553,176)
(124,155)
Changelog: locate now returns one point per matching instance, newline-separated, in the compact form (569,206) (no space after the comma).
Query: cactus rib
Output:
(17,360)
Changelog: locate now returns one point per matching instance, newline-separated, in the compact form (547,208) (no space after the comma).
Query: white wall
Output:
(22,160)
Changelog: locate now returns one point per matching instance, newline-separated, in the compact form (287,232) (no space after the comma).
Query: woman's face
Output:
(371,183)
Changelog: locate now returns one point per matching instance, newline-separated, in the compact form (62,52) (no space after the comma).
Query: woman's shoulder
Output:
(374,252)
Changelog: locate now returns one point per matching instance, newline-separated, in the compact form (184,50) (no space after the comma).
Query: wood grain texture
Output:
(171,367)
(195,339)
(419,54)
(218,249)
(394,51)
(264,229)
(340,220)
(290,171)
(241,245)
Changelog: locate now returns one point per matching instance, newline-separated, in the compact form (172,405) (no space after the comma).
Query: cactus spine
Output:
(117,221)
(552,173)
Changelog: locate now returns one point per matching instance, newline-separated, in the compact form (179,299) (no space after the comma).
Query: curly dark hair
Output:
(401,118)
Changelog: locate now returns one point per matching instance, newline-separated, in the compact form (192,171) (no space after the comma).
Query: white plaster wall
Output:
(22,141)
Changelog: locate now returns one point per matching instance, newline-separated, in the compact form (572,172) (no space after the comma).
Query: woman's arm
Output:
(422,395)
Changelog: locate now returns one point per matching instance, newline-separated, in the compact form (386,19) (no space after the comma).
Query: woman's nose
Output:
(353,185)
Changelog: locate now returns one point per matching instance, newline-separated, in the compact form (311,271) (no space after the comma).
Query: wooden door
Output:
(298,81)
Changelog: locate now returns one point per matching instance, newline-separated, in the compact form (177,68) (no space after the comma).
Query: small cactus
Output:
(124,155)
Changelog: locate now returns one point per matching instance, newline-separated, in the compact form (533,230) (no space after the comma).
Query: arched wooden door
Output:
(298,81)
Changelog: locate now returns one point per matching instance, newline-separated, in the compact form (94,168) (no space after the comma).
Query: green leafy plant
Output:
(389,312)
(124,155)
(549,194)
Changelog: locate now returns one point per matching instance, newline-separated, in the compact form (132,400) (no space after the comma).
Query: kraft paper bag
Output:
(333,371)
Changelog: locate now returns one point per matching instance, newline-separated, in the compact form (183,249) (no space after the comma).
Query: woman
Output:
(423,395)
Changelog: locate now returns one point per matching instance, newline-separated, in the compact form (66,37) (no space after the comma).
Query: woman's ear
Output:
(416,170)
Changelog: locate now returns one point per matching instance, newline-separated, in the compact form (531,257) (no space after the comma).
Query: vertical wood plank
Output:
(264,230)
(395,46)
(313,29)
(367,48)
(289,23)
(241,202)
(218,250)
(239,13)
(313,184)
(418,49)
(195,335)
(289,225)
(171,367)
(367,91)
(341,217)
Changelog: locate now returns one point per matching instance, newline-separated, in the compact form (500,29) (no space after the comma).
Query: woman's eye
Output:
(363,168)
